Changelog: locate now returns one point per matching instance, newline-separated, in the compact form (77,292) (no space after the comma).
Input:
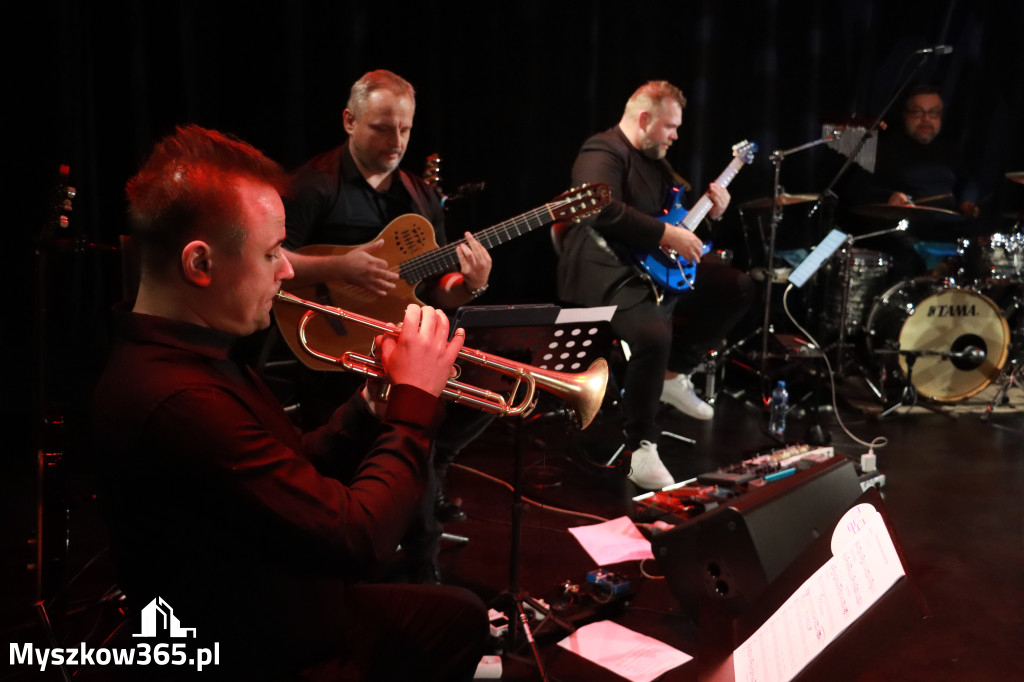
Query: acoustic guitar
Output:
(410,248)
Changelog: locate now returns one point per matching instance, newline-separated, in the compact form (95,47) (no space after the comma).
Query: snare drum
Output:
(998,256)
(868,271)
(930,315)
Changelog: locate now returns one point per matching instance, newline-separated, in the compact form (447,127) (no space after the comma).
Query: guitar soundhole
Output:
(411,240)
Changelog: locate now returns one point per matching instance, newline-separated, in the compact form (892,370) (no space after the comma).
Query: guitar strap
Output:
(416,190)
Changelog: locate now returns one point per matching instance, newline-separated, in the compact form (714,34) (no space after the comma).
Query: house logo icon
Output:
(158,618)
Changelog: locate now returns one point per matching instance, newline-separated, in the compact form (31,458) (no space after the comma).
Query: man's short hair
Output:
(922,89)
(187,190)
(381,79)
(651,96)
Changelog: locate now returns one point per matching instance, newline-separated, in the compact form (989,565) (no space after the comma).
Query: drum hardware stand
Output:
(909,397)
(844,281)
(1009,380)
(715,361)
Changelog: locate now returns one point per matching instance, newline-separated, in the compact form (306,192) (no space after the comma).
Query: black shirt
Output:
(331,203)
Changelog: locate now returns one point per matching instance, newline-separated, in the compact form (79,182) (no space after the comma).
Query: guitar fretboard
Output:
(704,205)
(445,259)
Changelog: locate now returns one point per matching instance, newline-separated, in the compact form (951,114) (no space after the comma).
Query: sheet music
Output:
(832,241)
(863,567)
(576,315)
(628,654)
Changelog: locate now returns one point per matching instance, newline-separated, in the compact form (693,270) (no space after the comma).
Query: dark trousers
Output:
(413,632)
(675,336)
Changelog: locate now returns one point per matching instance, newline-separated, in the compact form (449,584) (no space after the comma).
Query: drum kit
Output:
(944,337)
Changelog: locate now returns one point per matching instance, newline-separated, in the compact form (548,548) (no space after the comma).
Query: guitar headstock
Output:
(744,151)
(432,171)
(59,206)
(580,202)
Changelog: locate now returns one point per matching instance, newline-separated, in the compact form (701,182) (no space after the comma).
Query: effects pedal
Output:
(612,583)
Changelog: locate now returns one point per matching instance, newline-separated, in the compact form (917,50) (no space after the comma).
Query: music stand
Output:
(545,337)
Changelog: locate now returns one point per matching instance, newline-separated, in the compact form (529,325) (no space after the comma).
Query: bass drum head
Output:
(924,314)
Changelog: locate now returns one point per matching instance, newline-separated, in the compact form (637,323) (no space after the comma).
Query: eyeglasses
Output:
(921,113)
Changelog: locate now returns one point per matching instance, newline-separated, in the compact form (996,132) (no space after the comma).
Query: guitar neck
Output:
(445,259)
(704,205)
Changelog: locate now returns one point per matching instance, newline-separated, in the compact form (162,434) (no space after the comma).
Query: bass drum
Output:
(927,314)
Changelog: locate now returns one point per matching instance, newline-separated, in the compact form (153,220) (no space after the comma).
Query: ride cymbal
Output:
(784,200)
(909,212)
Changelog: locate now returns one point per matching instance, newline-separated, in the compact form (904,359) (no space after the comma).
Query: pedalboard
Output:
(709,490)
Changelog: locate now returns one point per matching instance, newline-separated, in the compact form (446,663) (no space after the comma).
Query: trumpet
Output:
(582,392)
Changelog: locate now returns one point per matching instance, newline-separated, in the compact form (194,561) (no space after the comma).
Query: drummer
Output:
(919,169)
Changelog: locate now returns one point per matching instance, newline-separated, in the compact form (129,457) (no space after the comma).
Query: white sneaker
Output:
(678,393)
(646,469)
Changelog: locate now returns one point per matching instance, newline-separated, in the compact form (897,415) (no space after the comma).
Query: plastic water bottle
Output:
(779,407)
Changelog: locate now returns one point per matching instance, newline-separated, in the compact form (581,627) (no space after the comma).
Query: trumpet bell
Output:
(583,392)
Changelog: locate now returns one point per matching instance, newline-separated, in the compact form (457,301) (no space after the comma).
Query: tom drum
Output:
(868,271)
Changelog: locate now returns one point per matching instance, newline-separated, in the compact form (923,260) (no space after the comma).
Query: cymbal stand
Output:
(773,225)
(1010,375)
(845,276)
(1009,379)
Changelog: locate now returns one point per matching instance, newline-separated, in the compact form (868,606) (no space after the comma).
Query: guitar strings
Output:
(439,260)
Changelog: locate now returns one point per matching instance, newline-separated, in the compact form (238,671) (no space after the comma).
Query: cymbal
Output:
(784,200)
(909,212)
(1017,176)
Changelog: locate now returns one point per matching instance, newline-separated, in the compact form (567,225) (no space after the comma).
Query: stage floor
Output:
(954,490)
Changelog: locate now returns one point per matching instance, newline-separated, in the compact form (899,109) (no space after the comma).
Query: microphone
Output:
(972,353)
(938,49)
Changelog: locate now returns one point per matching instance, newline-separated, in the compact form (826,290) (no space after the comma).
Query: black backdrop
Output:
(506,94)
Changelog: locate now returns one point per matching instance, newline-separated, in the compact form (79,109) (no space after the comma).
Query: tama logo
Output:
(960,310)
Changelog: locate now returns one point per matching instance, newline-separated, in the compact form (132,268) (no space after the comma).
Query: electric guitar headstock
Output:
(744,151)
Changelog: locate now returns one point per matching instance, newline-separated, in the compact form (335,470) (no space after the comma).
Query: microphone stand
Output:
(773,225)
(909,397)
(871,130)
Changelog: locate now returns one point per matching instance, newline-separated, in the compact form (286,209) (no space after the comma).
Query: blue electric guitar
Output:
(664,266)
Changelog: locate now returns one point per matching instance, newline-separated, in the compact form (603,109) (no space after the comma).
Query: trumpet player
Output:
(256,535)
